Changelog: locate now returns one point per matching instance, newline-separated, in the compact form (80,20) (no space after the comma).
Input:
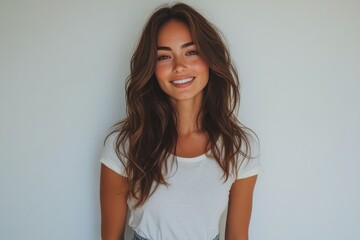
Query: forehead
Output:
(173,33)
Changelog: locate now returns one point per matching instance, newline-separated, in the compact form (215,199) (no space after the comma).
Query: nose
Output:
(179,65)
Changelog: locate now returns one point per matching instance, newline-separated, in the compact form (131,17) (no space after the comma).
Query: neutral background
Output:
(62,71)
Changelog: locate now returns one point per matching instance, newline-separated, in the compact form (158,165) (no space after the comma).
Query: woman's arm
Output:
(239,209)
(113,198)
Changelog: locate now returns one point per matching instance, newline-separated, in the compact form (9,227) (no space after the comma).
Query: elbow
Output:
(237,236)
(111,236)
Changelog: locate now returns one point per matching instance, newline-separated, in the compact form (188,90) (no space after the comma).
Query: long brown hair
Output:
(148,134)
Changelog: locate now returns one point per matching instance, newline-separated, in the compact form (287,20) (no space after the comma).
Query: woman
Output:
(181,156)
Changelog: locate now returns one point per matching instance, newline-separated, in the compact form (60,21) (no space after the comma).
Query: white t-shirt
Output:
(191,205)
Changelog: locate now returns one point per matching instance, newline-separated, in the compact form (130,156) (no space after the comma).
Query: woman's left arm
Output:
(239,209)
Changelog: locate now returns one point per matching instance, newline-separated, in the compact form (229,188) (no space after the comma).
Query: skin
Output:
(113,204)
(177,59)
(239,209)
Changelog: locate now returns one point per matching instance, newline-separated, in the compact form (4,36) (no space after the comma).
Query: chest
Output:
(194,189)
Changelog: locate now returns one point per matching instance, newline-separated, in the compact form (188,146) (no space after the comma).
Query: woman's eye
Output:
(162,57)
(193,52)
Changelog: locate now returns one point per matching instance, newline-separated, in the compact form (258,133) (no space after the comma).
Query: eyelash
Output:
(190,53)
(162,57)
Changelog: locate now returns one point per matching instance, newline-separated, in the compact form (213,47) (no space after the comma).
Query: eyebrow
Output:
(182,46)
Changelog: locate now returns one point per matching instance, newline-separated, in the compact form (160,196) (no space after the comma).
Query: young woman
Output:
(180,157)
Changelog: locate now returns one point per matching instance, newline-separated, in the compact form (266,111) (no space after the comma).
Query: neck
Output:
(187,112)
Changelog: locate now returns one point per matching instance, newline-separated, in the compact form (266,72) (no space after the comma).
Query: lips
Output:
(183,81)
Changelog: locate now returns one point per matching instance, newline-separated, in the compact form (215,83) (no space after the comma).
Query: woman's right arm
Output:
(114,191)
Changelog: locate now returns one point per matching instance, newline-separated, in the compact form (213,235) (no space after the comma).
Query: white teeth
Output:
(181,81)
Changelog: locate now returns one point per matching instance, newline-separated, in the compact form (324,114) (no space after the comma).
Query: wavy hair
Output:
(148,134)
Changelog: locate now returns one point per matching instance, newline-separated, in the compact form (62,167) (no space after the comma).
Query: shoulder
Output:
(250,165)
(113,155)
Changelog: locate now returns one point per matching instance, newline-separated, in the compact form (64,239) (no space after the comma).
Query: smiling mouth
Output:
(182,81)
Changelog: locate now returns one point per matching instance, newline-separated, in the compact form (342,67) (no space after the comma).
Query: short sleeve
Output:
(250,166)
(109,157)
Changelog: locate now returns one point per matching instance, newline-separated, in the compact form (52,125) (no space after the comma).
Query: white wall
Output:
(62,71)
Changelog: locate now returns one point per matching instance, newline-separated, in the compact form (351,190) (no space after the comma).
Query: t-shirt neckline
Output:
(191,159)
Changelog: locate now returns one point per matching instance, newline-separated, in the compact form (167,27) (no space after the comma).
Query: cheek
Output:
(200,66)
(160,74)
(161,71)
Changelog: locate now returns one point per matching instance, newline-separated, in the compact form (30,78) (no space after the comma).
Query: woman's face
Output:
(180,71)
